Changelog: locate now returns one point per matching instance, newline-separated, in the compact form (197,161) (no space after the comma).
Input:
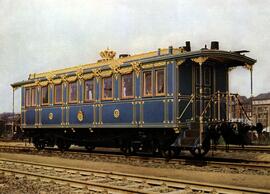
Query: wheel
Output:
(39,145)
(89,148)
(63,145)
(170,152)
(200,151)
(127,150)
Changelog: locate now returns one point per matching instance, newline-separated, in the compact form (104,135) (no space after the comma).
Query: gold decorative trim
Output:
(116,113)
(80,116)
(50,116)
(96,72)
(106,73)
(43,83)
(88,76)
(125,70)
(151,65)
(57,81)
(160,64)
(79,73)
(147,66)
(180,62)
(72,78)
(102,63)
(248,66)
(136,66)
(199,60)
(64,78)
(50,77)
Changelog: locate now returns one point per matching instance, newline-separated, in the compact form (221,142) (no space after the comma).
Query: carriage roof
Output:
(230,58)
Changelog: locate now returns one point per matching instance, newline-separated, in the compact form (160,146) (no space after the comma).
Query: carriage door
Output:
(207,91)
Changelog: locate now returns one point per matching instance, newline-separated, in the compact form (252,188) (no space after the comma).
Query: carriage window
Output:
(160,83)
(73,92)
(45,95)
(58,94)
(147,76)
(127,85)
(27,97)
(107,88)
(88,90)
(33,96)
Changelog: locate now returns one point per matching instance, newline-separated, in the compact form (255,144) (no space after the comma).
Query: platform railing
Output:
(225,100)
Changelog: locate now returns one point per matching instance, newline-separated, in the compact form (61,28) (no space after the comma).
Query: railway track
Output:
(189,163)
(256,149)
(85,180)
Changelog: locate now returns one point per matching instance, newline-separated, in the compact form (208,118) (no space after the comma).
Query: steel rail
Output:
(173,183)
(147,159)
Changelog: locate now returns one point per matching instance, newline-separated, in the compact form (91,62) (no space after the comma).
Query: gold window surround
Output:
(144,84)
(164,82)
(133,86)
(27,97)
(41,96)
(102,89)
(77,93)
(33,98)
(55,94)
(94,90)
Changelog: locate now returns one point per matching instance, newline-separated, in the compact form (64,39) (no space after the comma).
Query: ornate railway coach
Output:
(157,101)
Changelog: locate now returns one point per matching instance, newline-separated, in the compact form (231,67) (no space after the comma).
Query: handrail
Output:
(191,99)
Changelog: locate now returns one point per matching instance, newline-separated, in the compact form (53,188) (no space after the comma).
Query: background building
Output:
(261,110)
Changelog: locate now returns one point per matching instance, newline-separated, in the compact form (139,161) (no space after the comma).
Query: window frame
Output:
(102,88)
(42,95)
(62,94)
(84,90)
(144,91)
(164,83)
(25,97)
(127,97)
(77,95)
(35,97)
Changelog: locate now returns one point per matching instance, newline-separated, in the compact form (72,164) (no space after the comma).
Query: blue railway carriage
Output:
(160,101)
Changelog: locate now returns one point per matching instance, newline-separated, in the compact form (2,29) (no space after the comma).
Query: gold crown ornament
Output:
(107,54)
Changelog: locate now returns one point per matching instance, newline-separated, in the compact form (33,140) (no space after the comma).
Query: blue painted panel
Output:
(138,112)
(116,88)
(57,116)
(64,116)
(88,116)
(125,109)
(170,78)
(153,112)
(138,86)
(170,111)
(22,97)
(30,116)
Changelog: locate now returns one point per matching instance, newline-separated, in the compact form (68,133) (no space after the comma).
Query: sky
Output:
(43,35)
